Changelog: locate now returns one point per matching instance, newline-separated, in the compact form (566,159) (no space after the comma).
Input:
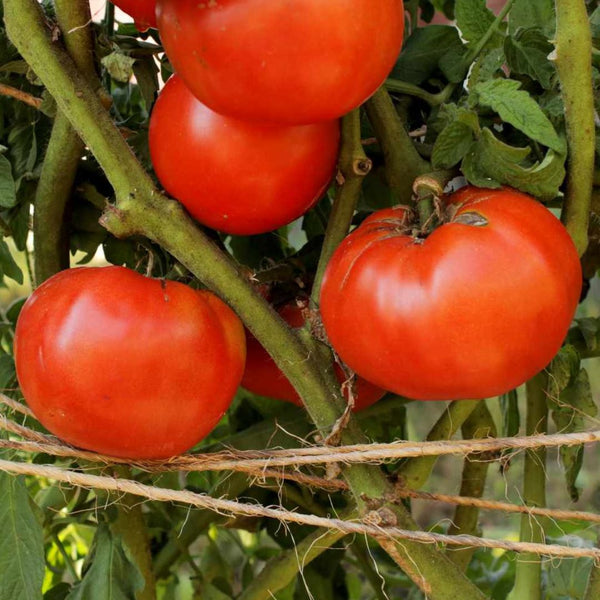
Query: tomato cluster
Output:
(245,135)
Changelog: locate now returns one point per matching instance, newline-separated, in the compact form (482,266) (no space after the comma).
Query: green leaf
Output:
(509,403)
(8,191)
(119,66)
(486,67)
(571,402)
(517,107)
(58,592)
(424,50)
(8,374)
(21,543)
(492,163)
(146,74)
(452,145)
(532,13)
(8,266)
(473,19)
(568,579)
(111,575)
(527,53)
(207,591)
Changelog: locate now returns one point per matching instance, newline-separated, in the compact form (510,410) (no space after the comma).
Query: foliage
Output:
(481,100)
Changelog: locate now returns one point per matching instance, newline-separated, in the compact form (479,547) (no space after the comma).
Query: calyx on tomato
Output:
(473,310)
(111,361)
(263,377)
(234,176)
(143,12)
(295,62)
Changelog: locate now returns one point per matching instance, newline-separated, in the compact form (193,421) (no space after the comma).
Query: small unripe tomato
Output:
(114,362)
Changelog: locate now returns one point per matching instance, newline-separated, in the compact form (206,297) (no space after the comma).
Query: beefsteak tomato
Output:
(143,12)
(474,310)
(235,176)
(262,376)
(114,362)
(299,61)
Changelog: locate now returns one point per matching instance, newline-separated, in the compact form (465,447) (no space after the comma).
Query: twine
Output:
(369,526)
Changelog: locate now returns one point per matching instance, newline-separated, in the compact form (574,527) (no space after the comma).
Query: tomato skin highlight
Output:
(469,312)
(297,62)
(238,177)
(114,362)
(263,377)
(143,12)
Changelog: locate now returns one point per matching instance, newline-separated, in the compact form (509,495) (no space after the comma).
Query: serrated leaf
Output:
(589,328)
(527,53)
(112,575)
(563,370)
(473,19)
(8,191)
(486,67)
(119,66)
(517,107)
(532,13)
(424,50)
(452,145)
(21,543)
(595,23)
(492,163)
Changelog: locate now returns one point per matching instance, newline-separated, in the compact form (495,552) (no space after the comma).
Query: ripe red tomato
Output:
(143,12)
(114,362)
(263,377)
(299,61)
(234,176)
(472,311)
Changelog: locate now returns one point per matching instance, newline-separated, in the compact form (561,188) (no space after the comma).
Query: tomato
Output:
(298,61)
(143,12)
(234,176)
(114,362)
(263,377)
(472,311)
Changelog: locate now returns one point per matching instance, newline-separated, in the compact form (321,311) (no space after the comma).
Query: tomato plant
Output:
(143,12)
(454,315)
(287,62)
(263,377)
(235,176)
(111,361)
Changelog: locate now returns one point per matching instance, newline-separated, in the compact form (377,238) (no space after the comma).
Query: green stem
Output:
(479,424)
(592,591)
(64,152)
(354,166)
(410,89)
(360,549)
(131,527)
(414,472)
(528,579)
(403,163)
(281,570)
(477,49)
(142,210)
(574,66)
